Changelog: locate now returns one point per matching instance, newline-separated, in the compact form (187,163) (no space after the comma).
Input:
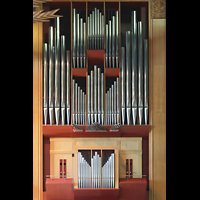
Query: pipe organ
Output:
(102,81)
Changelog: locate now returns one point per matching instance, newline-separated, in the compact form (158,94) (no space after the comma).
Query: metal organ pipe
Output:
(123,92)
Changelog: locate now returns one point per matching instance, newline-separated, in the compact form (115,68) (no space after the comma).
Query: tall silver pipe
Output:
(108,107)
(102,98)
(74,37)
(68,105)
(134,65)
(113,41)
(51,75)
(140,72)
(95,93)
(99,94)
(57,71)
(89,98)
(73,101)
(102,31)
(77,40)
(95,29)
(84,45)
(128,77)
(100,37)
(76,103)
(83,108)
(146,80)
(88,31)
(117,39)
(117,100)
(45,84)
(81,42)
(106,110)
(106,49)
(79,156)
(63,76)
(92,96)
(109,42)
(123,92)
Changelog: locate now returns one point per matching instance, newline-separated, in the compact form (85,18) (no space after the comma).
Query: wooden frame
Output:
(157,121)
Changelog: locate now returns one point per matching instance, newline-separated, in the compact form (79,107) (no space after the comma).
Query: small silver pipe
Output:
(140,72)
(77,40)
(79,176)
(128,77)
(73,101)
(117,39)
(106,49)
(118,100)
(45,84)
(112,103)
(123,92)
(102,98)
(113,41)
(76,103)
(84,45)
(57,71)
(74,37)
(81,42)
(109,42)
(63,76)
(106,110)
(89,98)
(85,109)
(100,35)
(51,75)
(146,80)
(134,65)
(115,101)
(92,96)
(90,30)
(68,105)
(81,106)
(99,94)
(95,93)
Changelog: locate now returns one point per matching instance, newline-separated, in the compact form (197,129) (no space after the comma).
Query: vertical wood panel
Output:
(159,108)
(37,113)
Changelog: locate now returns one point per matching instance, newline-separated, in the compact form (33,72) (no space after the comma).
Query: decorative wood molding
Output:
(158,9)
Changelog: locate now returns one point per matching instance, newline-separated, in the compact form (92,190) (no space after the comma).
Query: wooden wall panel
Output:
(37,113)
(157,136)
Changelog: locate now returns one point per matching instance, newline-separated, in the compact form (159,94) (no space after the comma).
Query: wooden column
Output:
(37,113)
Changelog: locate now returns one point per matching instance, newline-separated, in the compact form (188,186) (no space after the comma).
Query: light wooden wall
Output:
(125,148)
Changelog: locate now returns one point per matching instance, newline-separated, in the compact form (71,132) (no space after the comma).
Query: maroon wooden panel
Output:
(131,168)
(61,168)
(97,194)
(60,189)
(127,168)
(133,189)
(112,72)
(65,166)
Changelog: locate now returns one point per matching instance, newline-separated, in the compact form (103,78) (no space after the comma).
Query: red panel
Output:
(112,72)
(131,168)
(60,189)
(133,189)
(127,168)
(79,72)
(65,166)
(60,168)
(96,194)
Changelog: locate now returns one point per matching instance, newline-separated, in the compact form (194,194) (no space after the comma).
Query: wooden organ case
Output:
(101,90)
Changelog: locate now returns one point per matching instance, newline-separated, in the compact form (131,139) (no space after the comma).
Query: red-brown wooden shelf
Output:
(79,72)
(112,72)
(67,131)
